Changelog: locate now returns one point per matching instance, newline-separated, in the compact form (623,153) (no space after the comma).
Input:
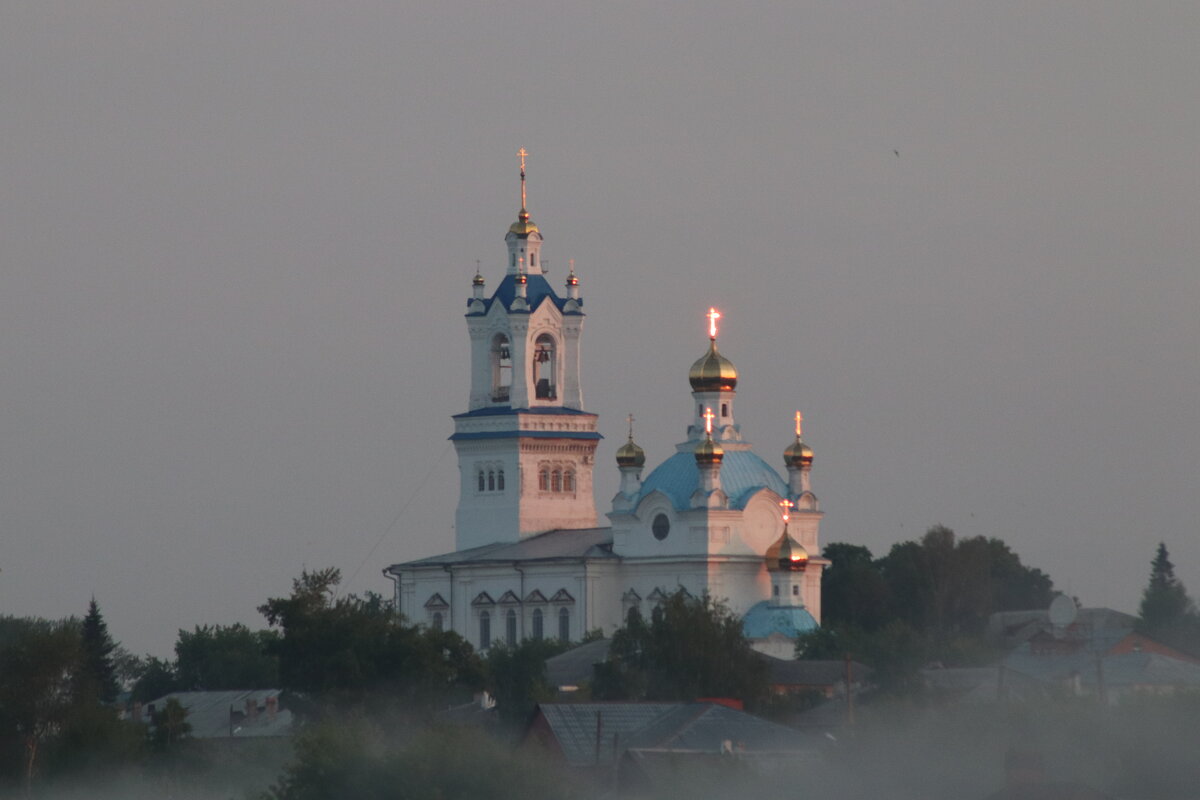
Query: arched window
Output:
(532,258)
(776,587)
(510,628)
(513,260)
(795,591)
(437,620)
(724,409)
(482,484)
(544,367)
(544,479)
(491,481)
(500,480)
(564,625)
(569,481)
(556,481)
(501,356)
(537,624)
(485,630)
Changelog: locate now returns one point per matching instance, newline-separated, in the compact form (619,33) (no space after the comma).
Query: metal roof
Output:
(742,474)
(584,543)
(209,713)
(764,619)
(574,726)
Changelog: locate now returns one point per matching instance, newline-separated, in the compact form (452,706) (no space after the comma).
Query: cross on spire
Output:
(799,419)
(630,419)
(522,153)
(708,418)
(787,507)
(713,315)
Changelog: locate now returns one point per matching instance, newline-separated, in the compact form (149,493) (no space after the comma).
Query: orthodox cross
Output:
(522,153)
(708,418)
(787,507)
(713,315)
(630,418)
(799,419)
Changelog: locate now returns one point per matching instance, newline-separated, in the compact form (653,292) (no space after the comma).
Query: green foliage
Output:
(156,678)
(355,758)
(1166,612)
(226,657)
(926,600)
(97,675)
(517,676)
(691,648)
(352,646)
(169,724)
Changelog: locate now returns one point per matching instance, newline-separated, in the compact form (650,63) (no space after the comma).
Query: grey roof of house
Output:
(575,666)
(1123,670)
(574,726)
(573,545)
(209,713)
(799,672)
(701,727)
(705,726)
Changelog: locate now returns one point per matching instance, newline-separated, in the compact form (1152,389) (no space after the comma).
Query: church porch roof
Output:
(556,545)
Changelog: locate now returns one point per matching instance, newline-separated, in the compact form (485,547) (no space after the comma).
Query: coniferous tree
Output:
(1165,606)
(97,677)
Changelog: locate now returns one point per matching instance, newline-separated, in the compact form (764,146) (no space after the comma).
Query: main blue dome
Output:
(742,474)
(764,619)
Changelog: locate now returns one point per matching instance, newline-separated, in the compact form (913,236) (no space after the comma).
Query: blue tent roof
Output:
(537,289)
(742,474)
(764,619)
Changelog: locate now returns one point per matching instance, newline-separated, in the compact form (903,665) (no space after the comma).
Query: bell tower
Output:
(525,445)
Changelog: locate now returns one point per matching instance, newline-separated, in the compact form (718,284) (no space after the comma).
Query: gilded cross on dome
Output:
(522,153)
(713,315)
(708,418)
(787,507)
(630,418)
(799,419)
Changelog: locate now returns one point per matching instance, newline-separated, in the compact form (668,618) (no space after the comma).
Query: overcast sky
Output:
(236,241)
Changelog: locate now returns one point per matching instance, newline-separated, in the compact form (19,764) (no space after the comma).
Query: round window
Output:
(661,527)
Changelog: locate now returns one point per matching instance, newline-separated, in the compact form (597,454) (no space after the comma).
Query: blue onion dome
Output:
(709,452)
(787,554)
(713,372)
(630,455)
(798,454)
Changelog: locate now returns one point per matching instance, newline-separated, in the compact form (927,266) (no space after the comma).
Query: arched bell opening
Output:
(501,356)
(545,368)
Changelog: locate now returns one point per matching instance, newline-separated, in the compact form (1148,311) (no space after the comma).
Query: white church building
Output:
(531,560)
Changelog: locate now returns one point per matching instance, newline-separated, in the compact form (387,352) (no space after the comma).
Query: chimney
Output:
(251,709)
(272,708)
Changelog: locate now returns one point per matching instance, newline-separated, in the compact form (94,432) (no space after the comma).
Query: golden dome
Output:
(798,454)
(713,372)
(630,455)
(524,225)
(709,452)
(477,280)
(787,554)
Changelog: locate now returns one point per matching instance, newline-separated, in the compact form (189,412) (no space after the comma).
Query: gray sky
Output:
(237,240)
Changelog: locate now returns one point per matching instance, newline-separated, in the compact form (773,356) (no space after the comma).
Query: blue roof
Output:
(742,474)
(537,289)
(764,619)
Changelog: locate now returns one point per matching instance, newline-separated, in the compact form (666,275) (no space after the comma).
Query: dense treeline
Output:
(926,600)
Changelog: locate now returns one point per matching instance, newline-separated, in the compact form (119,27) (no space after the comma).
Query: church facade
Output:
(531,560)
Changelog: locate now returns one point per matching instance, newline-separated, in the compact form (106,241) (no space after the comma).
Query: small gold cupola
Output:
(713,372)
(629,454)
(798,454)
(786,554)
(708,452)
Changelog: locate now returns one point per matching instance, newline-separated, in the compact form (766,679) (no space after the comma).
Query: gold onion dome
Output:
(477,280)
(787,554)
(713,372)
(524,225)
(630,455)
(709,452)
(798,454)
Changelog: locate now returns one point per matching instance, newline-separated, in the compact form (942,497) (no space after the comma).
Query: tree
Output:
(517,676)
(1165,602)
(38,660)
(97,675)
(1166,611)
(853,590)
(355,646)
(226,657)
(692,647)
(156,678)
